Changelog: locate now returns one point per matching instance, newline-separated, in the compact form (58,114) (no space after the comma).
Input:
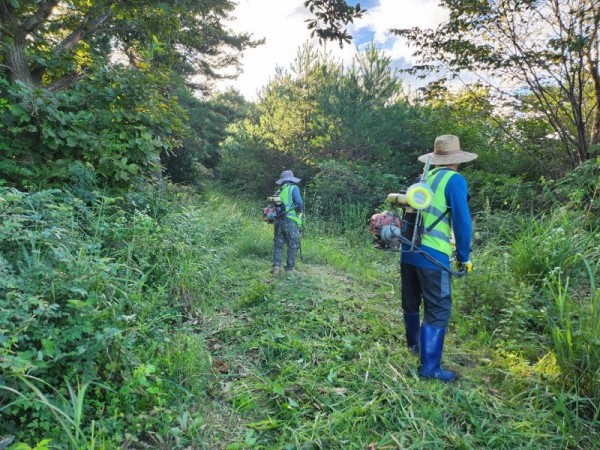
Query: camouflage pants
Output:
(286,232)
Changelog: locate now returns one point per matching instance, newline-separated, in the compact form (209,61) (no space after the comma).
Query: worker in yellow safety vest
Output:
(288,223)
(424,281)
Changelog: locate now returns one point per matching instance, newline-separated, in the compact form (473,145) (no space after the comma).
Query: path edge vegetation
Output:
(136,309)
(152,320)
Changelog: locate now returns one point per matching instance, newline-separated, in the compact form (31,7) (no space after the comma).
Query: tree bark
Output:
(595,134)
(593,62)
(14,54)
(17,62)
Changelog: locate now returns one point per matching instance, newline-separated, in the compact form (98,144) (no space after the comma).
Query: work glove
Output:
(466,266)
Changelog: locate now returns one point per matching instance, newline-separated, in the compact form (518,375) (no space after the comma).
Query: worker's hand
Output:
(464,266)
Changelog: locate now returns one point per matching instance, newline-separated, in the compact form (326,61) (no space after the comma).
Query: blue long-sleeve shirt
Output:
(457,194)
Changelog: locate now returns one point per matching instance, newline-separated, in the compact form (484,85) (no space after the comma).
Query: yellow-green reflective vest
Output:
(438,237)
(288,201)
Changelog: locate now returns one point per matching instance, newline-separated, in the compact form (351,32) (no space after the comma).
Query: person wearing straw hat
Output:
(428,283)
(287,226)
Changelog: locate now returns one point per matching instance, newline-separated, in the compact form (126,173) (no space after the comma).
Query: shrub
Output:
(60,299)
(96,299)
(109,122)
(250,167)
(574,321)
(579,189)
(494,191)
(338,185)
(548,244)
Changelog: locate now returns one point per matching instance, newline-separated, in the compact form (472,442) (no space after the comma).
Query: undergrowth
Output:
(160,326)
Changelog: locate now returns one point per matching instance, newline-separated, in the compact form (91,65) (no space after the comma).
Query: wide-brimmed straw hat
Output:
(287,175)
(446,150)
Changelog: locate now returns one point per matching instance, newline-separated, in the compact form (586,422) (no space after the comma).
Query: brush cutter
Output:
(391,230)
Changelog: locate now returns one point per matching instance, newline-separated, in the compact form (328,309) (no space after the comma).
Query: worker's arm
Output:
(297,200)
(457,199)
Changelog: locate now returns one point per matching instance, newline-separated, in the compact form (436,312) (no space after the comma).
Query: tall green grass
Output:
(208,350)
(549,244)
(574,320)
(69,412)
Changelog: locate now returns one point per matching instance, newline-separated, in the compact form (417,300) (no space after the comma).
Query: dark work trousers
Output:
(433,287)
(286,233)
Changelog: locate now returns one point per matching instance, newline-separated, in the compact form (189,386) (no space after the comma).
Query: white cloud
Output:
(282,24)
(400,14)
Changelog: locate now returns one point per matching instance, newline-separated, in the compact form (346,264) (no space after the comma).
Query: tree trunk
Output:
(595,134)
(17,62)
(593,62)
(14,54)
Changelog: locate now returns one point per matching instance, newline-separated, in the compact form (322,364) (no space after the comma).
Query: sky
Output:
(282,24)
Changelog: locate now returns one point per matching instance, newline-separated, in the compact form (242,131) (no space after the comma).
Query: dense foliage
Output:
(135,306)
(94,82)
(542,53)
(149,320)
(118,122)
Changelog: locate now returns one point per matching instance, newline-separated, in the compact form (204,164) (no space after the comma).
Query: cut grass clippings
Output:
(318,360)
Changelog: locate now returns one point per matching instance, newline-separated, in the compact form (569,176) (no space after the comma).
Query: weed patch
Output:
(171,332)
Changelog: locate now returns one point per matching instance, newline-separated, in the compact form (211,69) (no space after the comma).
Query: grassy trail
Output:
(318,360)
(197,346)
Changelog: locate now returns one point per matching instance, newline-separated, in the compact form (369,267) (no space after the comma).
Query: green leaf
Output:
(77,304)
(332,375)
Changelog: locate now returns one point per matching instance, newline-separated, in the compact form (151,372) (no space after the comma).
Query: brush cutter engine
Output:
(389,229)
(386,228)
(269,214)
(404,224)
(275,209)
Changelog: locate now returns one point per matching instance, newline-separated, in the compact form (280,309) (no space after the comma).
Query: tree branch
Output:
(89,23)
(65,82)
(42,13)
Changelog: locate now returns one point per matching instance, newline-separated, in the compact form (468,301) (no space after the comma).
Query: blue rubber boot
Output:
(412,327)
(432,344)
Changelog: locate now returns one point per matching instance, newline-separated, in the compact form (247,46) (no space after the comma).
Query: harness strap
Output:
(438,220)
(441,216)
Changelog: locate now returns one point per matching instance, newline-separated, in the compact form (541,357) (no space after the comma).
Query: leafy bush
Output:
(97,299)
(62,302)
(82,182)
(579,189)
(249,167)
(339,185)
(208,120)
(109,122)
(496,191)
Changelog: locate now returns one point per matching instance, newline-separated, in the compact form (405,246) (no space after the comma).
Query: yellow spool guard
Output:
(419,196)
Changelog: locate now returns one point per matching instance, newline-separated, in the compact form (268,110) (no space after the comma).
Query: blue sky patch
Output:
(365,4)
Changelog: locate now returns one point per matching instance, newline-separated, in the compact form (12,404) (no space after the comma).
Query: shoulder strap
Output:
(291,198)
(432,226)
(438,170)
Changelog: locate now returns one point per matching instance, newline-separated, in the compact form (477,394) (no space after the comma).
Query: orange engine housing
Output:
(385,226)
